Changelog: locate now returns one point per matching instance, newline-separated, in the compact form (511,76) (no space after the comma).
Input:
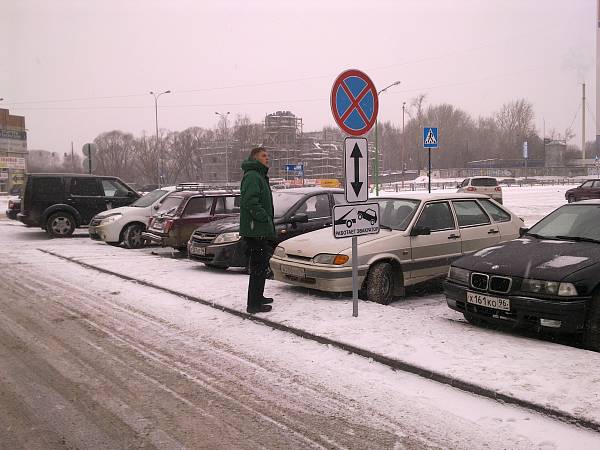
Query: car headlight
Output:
(549,287)
(227,237)
(459,274)
(279,252)
(111,219)
(328,258)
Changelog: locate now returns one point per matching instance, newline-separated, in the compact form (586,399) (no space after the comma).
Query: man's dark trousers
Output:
(260,252)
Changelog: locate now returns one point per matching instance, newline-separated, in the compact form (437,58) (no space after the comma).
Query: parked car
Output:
(184,210)
(587,190)
(482,185)
(13,209)
(59,203)
(553,284)
(297,211)
(126,224)
(421,235)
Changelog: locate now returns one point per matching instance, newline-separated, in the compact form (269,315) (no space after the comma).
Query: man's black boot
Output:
(258,309)
(266,300)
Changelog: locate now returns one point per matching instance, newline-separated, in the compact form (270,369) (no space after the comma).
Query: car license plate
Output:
(488,302)
(200,251)
(294,271)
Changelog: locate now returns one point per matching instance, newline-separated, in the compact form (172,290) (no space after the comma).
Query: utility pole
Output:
(583,122)
(72,159)
(161,167)
(402,143)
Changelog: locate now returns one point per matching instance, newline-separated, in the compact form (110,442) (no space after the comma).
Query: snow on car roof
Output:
(428,196)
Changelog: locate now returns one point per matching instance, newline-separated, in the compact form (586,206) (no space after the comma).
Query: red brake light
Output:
(471,189)
(498,188)
(168,225)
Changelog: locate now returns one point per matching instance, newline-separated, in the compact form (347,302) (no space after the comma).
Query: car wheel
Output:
(591,332)
(214,266)
(60,224)
(380,283)
(570,199)
(132,236)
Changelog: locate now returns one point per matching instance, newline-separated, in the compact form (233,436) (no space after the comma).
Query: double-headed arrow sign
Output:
(356,168)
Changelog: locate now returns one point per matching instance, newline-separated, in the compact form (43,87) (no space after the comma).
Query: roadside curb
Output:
(394,364)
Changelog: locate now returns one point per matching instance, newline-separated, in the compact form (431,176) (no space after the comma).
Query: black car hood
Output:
(228,224)
(531,257)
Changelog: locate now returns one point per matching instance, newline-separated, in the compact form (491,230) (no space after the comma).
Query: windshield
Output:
(170,203)
(570,221)
(397,213)
(149,198)
(283,201)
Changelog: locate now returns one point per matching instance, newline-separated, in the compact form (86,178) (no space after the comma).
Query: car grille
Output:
(493,283)
(203,238)
(298,257)
(95,222)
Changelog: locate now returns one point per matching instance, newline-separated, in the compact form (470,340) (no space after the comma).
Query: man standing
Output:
(256,226)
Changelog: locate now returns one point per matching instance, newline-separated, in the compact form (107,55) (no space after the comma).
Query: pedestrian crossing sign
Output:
(430,137)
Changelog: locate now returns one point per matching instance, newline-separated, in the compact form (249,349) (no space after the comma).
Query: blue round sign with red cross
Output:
(354,102)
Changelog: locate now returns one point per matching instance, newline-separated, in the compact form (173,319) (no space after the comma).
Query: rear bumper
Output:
(155,238)
(12,214)
(231,255)
(524,311)
(27,220)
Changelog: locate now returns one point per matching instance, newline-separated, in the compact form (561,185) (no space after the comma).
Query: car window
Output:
(465,182)
(113,188)
(469,213)
(283,201)
(198,205)
(149,198)
(437,217)
(228,205)
(85,187)
(497,213)
(339,199)
(316,207)
(484,182)
(397,214)
(50,188)
(597,184)
(587,184)
(565,220)
(171,203)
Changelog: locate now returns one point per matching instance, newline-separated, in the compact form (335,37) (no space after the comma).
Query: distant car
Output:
(14,207)
(547,279)
(589,189)
(421,234)
(59,203)
(482,185)
(126,224)
(297,211)
(184,210)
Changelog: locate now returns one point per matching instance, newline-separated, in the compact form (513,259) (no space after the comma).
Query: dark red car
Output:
(182,211)
(587,190)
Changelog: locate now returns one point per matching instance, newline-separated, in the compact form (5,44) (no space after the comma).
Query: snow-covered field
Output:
(420,329)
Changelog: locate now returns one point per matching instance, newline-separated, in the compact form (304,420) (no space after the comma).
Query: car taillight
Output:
(498,188)
(471,189)
(11,204)
(168,225)
(150,223)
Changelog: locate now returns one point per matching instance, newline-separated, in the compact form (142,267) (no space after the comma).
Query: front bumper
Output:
(106,233)
(524,311)
(232,254)
(323,278)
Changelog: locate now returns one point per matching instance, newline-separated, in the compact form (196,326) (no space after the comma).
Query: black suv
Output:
(58,203)
(297,211)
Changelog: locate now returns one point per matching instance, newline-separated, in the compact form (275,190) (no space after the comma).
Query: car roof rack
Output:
(203,187)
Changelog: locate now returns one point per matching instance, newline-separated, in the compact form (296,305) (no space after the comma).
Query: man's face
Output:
(263,158)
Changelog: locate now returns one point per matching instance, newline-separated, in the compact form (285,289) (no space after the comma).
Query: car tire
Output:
(570,199)
(591,332)
(132,236)
(60,224)
(380,283)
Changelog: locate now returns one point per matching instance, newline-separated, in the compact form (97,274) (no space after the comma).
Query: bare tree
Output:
(115,152)
(515,124)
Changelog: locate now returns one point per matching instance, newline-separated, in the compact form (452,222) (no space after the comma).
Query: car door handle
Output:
(493,232)
(454,236)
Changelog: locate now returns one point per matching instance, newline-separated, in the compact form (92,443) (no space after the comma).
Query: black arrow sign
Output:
(356,155)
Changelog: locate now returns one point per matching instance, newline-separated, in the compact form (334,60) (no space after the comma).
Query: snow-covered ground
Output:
(420,329)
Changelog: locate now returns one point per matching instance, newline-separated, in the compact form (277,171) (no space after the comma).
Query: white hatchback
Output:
(126,224)
(421,234)
(482,185)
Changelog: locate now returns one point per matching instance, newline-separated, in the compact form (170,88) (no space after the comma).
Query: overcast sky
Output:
(75,69)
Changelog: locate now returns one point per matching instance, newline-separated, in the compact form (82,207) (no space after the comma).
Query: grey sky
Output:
(257,57)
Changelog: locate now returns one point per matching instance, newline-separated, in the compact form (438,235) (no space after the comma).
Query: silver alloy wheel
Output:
(135,237)
(61,226)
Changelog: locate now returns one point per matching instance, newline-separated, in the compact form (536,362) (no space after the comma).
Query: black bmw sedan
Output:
(547,279)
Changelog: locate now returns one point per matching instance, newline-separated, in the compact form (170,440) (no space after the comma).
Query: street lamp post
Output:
(402,144)
(160,159)
(376,165)
(224,117)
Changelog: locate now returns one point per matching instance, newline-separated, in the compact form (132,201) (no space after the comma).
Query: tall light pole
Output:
(376,165)
(160,158)
(224,117)
(402,143)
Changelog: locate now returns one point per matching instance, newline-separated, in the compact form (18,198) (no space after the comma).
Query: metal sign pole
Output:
(354,277)
(429,173)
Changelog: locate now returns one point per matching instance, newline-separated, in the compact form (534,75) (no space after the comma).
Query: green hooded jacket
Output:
(256,208)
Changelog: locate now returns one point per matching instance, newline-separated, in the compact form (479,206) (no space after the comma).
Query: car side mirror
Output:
(458,186)
(156,207)
(299,218)
(522,231)
(130,194)
(420,231)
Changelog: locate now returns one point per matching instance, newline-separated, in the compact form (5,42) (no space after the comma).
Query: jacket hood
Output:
(252,164)
(542,259)
(221,226)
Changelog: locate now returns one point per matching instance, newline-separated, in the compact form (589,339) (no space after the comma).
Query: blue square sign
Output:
(430,137)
